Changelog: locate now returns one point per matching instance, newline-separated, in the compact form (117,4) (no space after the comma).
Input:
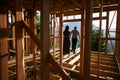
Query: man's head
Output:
(75,27)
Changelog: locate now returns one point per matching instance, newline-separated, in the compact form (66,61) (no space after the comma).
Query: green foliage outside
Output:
(95,41)
(38,23)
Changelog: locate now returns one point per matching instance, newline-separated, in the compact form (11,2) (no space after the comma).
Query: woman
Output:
(66,43)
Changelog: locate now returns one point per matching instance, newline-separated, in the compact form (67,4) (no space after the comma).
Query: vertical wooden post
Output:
(45,40)
(107,31)
(82,38)
(19,42)
(13,20)
(33,26)
(87,45)
(54,35)
(117,47)
(50,24)
(28,40)
(3,47)
(61,36)
(99,44)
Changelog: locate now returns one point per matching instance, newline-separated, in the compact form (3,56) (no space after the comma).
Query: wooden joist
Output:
(74,60)
(51,76)
(26,59)
(70,58)
(72,65)
(108,65)
(105,62)
(105,73)
(105,59)
(105,67)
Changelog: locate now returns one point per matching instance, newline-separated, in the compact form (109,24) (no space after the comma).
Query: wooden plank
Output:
(13,28)
(107,31)
(3,31)
(107,73)
(54,34)
(61,33)
(60,71)
(105,59)
(72,20)
(54,77)
(73,73)
(19,43)
(67,65)
(26,59)
(105,67)
(82,39)
(99,38)
(87,47)
(44,40)
(104,62)
(74,60)
(3,47)
(50,26)
(69,58)
(102,55)
(117,49)
(31,44)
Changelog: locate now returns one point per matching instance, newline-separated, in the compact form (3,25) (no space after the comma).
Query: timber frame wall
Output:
(44,43)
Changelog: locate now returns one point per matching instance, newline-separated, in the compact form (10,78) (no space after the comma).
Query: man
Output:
(74,34)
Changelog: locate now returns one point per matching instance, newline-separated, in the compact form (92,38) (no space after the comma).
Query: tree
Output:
(38,23)
(95,41)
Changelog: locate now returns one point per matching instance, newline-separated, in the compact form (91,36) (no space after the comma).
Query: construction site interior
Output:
(31,40)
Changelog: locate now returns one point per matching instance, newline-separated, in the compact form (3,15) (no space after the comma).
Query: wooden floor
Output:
(108,67)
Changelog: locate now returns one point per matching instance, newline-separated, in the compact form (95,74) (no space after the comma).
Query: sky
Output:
(96,23)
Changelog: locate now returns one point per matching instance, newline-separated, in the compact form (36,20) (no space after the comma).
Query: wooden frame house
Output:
(25,55)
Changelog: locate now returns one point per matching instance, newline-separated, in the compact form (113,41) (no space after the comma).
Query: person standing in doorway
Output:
(75,35)
(66,42)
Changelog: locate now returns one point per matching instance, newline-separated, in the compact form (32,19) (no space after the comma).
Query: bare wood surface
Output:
(3,46)
(60,71)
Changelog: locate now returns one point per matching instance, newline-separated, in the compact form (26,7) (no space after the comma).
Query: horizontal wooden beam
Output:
(4,33)
(26,59)
(105,67)
(106,73)
(104,62)
(72,20)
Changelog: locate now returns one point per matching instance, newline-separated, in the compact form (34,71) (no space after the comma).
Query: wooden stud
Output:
(117,50)
(87,45)
(13,20)
(50,24)
(45,40)
(82,38)
(99,42)
(33,27)
(3,47)
(54,30)
(28,40)
(61,35)
(19,43)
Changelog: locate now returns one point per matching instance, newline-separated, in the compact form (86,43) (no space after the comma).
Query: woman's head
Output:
(67,28)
